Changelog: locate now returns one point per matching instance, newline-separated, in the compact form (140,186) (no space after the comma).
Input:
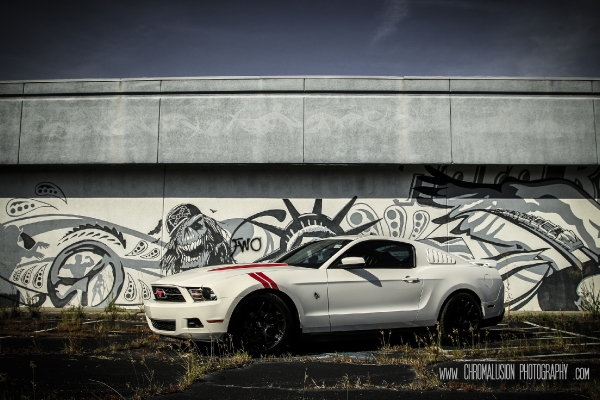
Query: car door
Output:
(385,293)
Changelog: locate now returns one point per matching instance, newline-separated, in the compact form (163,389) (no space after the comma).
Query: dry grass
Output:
(222,357)
(566,333)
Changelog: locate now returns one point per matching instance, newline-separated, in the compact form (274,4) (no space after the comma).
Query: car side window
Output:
(383,254)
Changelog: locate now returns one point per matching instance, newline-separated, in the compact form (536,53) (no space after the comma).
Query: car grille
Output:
(163,324)
(168,294)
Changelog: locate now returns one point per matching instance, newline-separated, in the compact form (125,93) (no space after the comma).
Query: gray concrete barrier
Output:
(309,120)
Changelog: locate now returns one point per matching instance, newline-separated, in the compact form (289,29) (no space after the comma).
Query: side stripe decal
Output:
(267,282)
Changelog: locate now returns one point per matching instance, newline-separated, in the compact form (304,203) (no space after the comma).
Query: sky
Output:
(59,39)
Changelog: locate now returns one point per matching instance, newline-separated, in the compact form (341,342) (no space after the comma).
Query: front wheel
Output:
(261,324)
(460,319)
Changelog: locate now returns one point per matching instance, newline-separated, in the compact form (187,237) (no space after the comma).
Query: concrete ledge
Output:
(89,130)
(233,85)
(298,84)
(91,87)
(11,88)
(520,85)
(332,120)
(523,130)
(377,129)
(10,124)
(376,85)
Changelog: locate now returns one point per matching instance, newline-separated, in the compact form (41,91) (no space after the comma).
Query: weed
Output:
(36,348)
(344,383)
(304,385)
(385,344)
(110,387)
(32,307)
(71,319)
(589,300)
(32,365)
(72,346)
(150,387)
(113,310)
(14,311)
(197,365)
(592,389)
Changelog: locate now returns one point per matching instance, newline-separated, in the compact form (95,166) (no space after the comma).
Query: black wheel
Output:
(261,324)
(460,319)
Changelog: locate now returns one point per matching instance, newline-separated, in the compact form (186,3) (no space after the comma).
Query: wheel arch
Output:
(454,293)
(282,295)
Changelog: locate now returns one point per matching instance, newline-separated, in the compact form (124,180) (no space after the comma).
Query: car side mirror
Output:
(352,262)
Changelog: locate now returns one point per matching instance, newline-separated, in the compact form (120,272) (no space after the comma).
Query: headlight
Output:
(202,294)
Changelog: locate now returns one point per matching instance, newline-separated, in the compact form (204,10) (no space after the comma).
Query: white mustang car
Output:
(343,283)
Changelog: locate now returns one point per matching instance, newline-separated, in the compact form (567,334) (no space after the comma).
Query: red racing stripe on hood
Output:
(247,266)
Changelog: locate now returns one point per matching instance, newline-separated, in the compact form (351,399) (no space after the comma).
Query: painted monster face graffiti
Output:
(196,240)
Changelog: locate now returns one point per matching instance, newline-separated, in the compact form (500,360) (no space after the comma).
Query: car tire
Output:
(261,324)
(460,319)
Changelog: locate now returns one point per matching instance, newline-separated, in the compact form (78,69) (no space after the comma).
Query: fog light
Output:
(194,323)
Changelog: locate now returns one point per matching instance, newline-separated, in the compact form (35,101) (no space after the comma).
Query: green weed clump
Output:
(113,311)
(32,307)
(590,300)
(222,356)
(11,311)
(71,319)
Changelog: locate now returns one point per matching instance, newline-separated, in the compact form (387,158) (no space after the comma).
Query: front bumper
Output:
(172,318)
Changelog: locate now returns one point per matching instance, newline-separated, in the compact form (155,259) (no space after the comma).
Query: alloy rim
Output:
(463,318)
(264,325)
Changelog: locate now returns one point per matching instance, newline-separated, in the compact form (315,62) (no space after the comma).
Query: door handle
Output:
(408,279)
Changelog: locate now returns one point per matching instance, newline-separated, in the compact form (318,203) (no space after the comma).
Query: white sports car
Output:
(343,283)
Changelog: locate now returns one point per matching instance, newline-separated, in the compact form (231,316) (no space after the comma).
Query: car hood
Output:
(206,275)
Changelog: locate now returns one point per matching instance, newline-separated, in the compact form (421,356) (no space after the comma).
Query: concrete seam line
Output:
(595,130)
(303,123)
(162,214)
(158,131)
(451,137)
(20,132)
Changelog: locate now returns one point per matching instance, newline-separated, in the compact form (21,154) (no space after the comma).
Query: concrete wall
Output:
(98,178)
(87,235)
(301,120)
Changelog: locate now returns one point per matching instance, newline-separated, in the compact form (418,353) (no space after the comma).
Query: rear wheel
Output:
(261,324)
(460,319)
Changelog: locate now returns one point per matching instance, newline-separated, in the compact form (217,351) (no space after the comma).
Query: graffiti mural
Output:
(541,232)
(195,240)
(541,225)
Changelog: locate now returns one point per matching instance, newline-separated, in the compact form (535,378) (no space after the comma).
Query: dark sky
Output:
(57,39)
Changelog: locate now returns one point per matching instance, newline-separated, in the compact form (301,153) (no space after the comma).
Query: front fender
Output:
(241,286)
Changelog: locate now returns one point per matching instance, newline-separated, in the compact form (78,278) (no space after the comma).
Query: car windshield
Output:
(313,254)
